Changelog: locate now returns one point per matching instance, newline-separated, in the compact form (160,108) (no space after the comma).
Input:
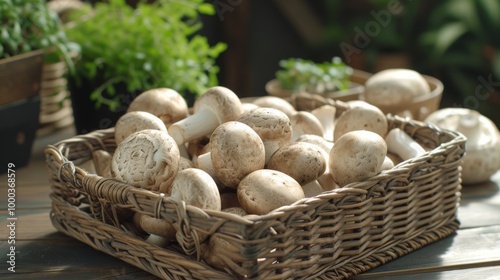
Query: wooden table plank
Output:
(480,204)
(64,259)
(483,273)
(31,225)
(475,247)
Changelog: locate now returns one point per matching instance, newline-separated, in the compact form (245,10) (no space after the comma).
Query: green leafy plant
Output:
(464,51)
(149,46)
(301,74)
(27,25)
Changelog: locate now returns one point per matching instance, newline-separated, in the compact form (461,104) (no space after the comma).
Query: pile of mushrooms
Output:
(253,156)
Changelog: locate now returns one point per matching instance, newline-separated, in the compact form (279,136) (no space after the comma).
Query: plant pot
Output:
(86,116)
(418,109)
(20,78)
(18,130)
(357,79)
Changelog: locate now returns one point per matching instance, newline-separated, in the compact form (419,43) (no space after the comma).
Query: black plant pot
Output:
(18,129)
(89,118)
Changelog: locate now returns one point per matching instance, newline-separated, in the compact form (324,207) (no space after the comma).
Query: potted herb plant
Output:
(30,34)
(331,78)
(126,50)
(462,48)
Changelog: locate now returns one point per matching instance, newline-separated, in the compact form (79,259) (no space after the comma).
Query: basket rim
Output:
(352,188)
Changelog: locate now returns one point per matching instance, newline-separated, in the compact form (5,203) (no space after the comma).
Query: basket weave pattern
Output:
(334,235)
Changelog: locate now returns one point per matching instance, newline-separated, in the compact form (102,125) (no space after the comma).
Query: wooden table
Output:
(473,252)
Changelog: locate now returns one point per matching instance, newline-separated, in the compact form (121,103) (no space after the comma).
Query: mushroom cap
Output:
(276,103)
(236,150)
(304,162)
(146,159)
(165,103)
(304,122)
(357,156)
(158,227)
(316,140)
(221,101)
(482,158)
(134,121)
(264,190)
(269,123)
(361,117)
(392,87)
(195,187)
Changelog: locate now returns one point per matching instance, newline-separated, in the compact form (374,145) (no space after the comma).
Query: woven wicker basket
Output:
(334,235)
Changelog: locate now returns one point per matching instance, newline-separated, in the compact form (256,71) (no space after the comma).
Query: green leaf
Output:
(206,9)
(448,35)
(496,65)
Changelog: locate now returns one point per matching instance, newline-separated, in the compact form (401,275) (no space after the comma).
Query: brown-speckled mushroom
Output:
(304,162)
(216,106)
(356,156)
(276,103)
(272,125)
(134,121)
(304,122)
(361,117)
(235,151)
(147,159)
(165,103)
(264,190)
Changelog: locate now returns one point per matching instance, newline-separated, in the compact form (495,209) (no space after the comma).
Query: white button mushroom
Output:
(235,151)
(146,159)
(401,144)
(357,156)
(272,125)
(361,116)
(247,106)
(276,103)
(160,232)
(316,140)
(325,181)
(264,190)
(216,106)
(482,157)
(165,103)
(304,122)
(302,161)
(394,88)
(197,188)
(193,186)
(134,121)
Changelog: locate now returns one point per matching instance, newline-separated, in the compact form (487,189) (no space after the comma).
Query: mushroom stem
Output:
(401,144)
(204,162)
(326,116)
(157,240)
(195,126)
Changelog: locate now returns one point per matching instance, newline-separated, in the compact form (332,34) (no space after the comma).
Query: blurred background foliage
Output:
(455,41)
